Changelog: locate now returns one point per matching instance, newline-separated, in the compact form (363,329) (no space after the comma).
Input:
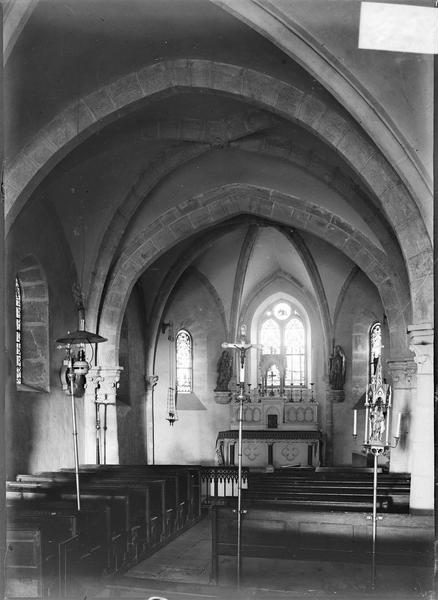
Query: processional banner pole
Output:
(242,346)
(75,430)
(378,404)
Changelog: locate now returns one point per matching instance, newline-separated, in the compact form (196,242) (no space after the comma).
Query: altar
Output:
(275,432)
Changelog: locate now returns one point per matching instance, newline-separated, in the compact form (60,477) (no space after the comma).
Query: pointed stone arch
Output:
(307,107)
(220,204)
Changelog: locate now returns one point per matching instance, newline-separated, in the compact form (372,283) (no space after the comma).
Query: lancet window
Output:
(375,345)
(184,362)
(18,325)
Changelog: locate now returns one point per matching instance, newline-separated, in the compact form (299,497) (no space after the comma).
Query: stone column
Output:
(403,382)
(150,382)
(92,385)
(422,425)
(106,395)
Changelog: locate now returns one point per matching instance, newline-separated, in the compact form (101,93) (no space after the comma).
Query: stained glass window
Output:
(375,346)
(282,332)
(184,362)
(270,337)
(273,376)
(295,346)
(18,317)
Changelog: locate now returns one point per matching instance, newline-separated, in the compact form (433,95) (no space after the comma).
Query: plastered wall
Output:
(360,308)
(192,438)
(131,425)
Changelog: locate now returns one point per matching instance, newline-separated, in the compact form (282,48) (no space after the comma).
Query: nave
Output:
(218,250)
(139,529)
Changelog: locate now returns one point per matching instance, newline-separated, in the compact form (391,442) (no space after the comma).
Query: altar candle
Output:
(397,433)
(387,426)
(367,416)
(354,422)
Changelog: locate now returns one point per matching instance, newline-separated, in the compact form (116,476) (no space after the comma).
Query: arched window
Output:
(282,332)
(18,319)
(294,341)
(32,350)
(184,362)
(375,346)
(270,337)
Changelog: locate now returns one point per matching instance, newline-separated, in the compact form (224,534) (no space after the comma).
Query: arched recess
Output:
(35,356)
(307,107)
(217,206)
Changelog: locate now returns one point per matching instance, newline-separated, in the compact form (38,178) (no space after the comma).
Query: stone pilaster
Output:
(106,397)
(422,424)
(403,382)
(333,396)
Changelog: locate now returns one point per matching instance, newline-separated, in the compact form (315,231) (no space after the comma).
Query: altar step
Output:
(333,490)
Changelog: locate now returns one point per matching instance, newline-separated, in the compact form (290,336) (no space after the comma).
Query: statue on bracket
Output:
(224,371)
(337,369)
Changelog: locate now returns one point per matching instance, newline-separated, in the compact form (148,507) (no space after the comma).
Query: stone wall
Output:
(38,413)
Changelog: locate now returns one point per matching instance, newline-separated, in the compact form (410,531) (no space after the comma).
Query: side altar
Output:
(276,432)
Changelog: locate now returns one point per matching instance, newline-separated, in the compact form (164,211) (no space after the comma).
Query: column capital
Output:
(108,383)
(150,381)
(403,371)
(421,343)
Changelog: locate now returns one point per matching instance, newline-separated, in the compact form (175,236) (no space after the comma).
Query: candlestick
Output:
(355,422)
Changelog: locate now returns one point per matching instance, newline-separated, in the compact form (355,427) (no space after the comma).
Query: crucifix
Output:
(242,346)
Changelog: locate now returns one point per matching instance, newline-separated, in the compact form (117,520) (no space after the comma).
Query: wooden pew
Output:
(114,507)
(144,512)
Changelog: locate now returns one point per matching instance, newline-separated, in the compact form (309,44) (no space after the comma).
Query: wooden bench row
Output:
(329,536)
(126,514)
(332,491)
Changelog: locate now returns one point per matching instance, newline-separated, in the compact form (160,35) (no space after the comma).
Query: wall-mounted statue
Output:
(337,369)
(224,371)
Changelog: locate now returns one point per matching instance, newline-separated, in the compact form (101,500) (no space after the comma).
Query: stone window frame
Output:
(34,330)
(371,362)
(282,324)
(190,368)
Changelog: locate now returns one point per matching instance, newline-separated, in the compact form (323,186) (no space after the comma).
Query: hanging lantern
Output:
(172,414)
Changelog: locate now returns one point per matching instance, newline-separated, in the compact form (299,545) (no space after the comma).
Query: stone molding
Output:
(335,396)
(421,339)
(222,397)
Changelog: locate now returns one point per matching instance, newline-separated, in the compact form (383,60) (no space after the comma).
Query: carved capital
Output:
(108,384)
(150,382)
(403,372)
(421,344)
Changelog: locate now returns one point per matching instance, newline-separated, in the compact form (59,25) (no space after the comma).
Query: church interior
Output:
(218,225)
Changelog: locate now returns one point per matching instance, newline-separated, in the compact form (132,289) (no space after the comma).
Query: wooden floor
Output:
(181,571)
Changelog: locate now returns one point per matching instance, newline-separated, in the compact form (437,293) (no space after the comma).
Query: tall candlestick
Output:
(355,422)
